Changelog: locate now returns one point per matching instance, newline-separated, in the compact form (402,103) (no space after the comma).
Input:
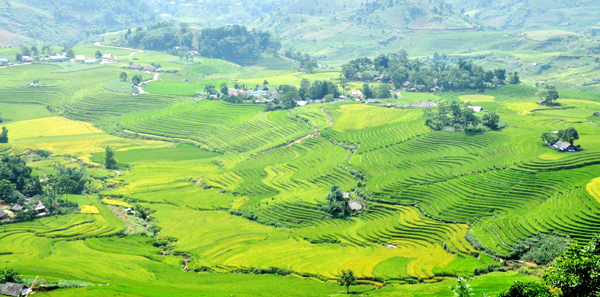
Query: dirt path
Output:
(299,140)
(15,65)
(118,47)
(155,78)
(328,115)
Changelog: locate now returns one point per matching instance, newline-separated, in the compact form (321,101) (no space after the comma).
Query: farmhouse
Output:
(301,103)
(476,108)
(564,146)
(108,57)
(90,61)
(346,195)
(258,93)
(40,207)
(16,207)
(2,214)
(27,59)
(58,58)
(12,289)
(357,94)
(355,206)
(597,114)
(80,58)
(3,62)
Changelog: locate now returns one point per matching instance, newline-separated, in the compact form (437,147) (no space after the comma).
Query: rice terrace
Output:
(299,148)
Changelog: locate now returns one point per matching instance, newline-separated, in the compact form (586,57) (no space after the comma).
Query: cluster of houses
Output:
(40,209)
(13,289)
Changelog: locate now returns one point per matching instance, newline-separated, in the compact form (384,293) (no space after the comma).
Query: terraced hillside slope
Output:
(229,198)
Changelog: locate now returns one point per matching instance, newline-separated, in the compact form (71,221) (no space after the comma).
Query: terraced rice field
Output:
(243,189)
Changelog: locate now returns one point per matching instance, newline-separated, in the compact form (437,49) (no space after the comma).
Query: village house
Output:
(301,103)
(346,195)
(563,146)
(80,58)
(476,108)
(40,207)
(26,59)
(355,206)
(3,214)
(3,62)
(90,61)
(357,95)
(12,289)
(58,58)
(16,207)
(108,57)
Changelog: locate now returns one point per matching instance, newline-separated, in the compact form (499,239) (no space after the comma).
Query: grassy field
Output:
(193,162)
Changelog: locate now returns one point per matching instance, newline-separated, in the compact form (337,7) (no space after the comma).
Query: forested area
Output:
(415,75)
(233,43)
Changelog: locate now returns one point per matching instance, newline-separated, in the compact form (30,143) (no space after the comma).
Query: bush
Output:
(526,289)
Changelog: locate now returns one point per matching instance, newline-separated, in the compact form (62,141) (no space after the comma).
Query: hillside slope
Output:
(71,21)
(531,14)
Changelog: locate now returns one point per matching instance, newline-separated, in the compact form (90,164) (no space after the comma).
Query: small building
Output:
(58,58)
(12,289)
(357,94)
(301,103)
(26,59)
(258,93)
(40,207)
(91,61)
(3,214)
(406,84)
(108,57)
(389,105)
(355,206)
(80,58)
(597,114)
(16,207)
(3,62)
(346,195)
(564,146)
(542,102)
(476,108)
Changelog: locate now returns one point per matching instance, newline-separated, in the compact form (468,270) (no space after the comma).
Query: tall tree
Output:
(367,92)
(136,79)
(210,89)
(123,76)
(491,120)
(569,135)
(513,78)
(224,89)
(110,162)
(500,74)
(4,135)
(347,279)
(98,54)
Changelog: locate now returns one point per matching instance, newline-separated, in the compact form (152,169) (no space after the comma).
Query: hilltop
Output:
(69,21)
(531,14)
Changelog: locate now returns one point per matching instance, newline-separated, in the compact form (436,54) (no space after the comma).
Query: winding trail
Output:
(155,78)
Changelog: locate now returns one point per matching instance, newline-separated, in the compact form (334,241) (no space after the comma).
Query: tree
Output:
(513,78)
(109,158)
(576,272)
(7,191)
(34,51)
(336,204)
(463,289)
(491,120)
(265,83)
(384,91)
(98,54)
(526,289)
(500,74)
(210,89)
(9,275)
(19,57)
(367,92)
(549,138)
(123,76)
(25,51)
(71,53)
(569,135)
(4,135)
(224,89)
(347,279)
(136,79)
(548,94)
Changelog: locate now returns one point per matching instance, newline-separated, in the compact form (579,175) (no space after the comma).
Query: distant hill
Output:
(71,21)
(531,14)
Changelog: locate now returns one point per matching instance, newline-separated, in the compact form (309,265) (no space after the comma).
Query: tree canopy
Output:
(347,279)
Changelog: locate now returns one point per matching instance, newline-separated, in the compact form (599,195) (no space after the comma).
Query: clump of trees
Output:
(336,205)
(548,95)
(398,69)
(460,117)
(232,43)
(541,248)
(568,135)
(9,275)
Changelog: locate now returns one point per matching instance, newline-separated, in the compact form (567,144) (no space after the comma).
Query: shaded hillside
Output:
(71,21)
(531,14)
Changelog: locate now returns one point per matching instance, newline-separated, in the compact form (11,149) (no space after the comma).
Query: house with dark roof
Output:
(12,289)
(17,207)
(3,214)
(40,207)
(58,58)
(3,62)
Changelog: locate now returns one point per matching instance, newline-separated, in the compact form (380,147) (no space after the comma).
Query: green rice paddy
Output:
(194,161)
